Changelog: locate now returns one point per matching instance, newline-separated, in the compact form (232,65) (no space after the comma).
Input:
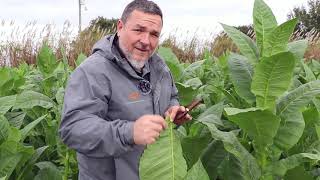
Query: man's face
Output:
(139,36)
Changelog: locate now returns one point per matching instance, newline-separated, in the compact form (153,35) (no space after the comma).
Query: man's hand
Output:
(147,129)
(176,111)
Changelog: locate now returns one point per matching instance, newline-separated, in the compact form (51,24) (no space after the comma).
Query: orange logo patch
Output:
(134,96)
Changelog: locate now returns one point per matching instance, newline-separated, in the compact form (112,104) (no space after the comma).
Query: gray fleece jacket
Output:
(102,101)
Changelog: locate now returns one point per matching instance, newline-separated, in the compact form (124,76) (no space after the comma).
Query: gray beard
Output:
(137,65)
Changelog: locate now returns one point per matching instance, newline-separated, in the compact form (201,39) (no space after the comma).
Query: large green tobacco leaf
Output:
(298,173)
(193,82)
(14,135)
(186,93)
(29,165)
(15,118)
(288,107)
(192,148)
(290,131)
(212,157)
(298,48)
(194,70)
(197,172)
(231,169)
(315,66)
(48,171)
(298,98)
(310,76)
(163,160)
(46,61)
(4,129)
(280,168)
(30,126)
(172,61)
(80,59)
(5,75)
(277,41)
(264,22)
(30,99)
(250,169)
(241,72)
(247,47)
(212,114)
(6,103)
(11,81)
(9,160)
(60,95)
(272,78)
(11,155)
(261,125)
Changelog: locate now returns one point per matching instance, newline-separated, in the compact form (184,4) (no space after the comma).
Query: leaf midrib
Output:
(268,82)
(172,155)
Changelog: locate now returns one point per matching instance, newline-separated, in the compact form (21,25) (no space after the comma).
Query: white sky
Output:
(180,16)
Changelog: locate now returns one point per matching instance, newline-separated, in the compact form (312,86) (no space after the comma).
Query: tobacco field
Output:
(259,120)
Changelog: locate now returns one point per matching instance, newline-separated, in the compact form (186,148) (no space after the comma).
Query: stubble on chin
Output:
(137,64)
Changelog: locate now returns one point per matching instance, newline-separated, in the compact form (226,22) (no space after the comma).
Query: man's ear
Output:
(120,25)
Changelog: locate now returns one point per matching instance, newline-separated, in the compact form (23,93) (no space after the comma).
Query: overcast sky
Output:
(180,16)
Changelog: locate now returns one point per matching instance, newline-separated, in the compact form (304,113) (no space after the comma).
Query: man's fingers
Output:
(159,120)
(188,116)
(174,113)
(151,141)
(166,114)
(182,108)
(157,127)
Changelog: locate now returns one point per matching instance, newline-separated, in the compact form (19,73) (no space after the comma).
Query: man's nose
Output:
(145,39)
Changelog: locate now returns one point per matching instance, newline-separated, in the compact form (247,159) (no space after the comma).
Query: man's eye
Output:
(155,35)
(137,30)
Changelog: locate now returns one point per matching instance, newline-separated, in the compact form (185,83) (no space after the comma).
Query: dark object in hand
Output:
(180,117)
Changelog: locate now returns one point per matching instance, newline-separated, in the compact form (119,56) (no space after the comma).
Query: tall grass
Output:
(20,44)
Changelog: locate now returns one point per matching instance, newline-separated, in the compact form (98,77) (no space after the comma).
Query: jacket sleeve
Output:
(84,126)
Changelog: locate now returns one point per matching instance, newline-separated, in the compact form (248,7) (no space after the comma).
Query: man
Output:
(116,100)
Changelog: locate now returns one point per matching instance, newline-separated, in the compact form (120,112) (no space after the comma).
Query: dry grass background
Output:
(23,43)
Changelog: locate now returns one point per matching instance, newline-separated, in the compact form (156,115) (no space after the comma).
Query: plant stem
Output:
(66,165)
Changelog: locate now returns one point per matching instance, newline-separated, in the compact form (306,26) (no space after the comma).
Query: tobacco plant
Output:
(268,109)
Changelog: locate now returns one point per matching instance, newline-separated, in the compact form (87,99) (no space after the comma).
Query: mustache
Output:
(144,47)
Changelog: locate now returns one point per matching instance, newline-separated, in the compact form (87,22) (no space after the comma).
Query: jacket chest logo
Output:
(134,96)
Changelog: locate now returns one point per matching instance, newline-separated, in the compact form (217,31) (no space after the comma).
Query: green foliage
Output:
(241,73)
(259,120)
(31,103)
(263,92)
(272,78)
(197,172)
(168,149)
(46,61)
(277,40)
(248,165)
(212,157)
(4,129)
(247,47)
(298,48)
(30,99)
(254,122)
(264,23)
(172,62)
(80,59)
